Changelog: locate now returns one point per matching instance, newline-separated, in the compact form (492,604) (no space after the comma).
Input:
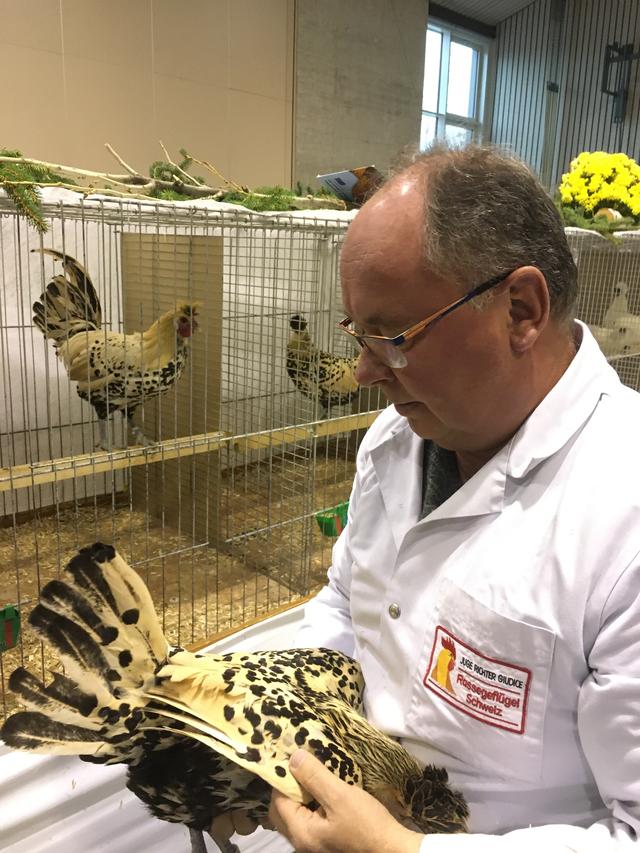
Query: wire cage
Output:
(229,508)
(609,295)
(217,508)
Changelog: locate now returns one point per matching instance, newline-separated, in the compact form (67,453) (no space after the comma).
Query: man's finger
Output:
(282,810)
(314,777)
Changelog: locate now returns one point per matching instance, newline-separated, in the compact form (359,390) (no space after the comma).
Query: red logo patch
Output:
(493,691)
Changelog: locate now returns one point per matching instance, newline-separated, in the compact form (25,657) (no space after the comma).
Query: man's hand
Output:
(349,820)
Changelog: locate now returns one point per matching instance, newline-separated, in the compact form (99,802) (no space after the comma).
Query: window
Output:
(455,82)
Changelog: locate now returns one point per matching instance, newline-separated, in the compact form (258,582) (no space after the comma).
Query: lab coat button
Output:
(394,611)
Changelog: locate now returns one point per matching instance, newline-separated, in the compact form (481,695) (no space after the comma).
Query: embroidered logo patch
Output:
(491,690)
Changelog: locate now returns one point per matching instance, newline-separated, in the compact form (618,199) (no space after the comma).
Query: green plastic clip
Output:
(9,627)
(333,521)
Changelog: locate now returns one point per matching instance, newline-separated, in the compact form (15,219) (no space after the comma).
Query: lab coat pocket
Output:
(481,689)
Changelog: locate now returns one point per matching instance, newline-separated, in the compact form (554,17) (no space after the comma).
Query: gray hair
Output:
(486,213)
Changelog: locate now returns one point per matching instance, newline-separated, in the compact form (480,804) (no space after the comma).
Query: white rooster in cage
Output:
(619,336)
(115,372)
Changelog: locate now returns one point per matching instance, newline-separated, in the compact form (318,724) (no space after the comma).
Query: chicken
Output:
(114,372)
(617,343)
(618,315)
(203,734)
(318,374)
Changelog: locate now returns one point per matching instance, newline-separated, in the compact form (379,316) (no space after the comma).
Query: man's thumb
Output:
(312,775)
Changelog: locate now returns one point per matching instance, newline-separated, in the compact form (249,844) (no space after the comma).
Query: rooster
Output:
(203,734)
(318,374)
(114,372)
(618,315)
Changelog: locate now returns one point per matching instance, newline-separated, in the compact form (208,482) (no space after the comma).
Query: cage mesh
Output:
(218,511)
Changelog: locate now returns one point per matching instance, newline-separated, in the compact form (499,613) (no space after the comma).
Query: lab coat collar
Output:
(398,456)
(398,460)
(565,409)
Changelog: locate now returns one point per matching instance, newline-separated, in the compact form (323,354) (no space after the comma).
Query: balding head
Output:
(393,218)
(484,213)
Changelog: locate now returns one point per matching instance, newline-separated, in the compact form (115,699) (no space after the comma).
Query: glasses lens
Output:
(385,352)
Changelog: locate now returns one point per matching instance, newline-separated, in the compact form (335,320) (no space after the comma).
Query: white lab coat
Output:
(530,573)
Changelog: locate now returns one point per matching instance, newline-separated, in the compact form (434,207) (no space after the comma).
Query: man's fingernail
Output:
(297,758)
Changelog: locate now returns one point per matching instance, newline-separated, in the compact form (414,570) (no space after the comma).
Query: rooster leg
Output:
(105,442)
(225,845)
(139,435)
(135,430)
(105,439)
(221,830)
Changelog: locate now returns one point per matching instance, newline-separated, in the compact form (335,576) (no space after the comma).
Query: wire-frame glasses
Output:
(387,350)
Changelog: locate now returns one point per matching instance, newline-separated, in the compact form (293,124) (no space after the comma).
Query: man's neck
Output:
(546,377)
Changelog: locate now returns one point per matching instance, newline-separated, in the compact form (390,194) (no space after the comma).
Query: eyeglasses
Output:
(387,349)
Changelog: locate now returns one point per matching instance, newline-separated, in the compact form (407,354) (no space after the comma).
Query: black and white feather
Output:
(202,735)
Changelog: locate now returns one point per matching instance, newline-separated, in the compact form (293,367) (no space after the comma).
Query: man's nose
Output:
(370,370)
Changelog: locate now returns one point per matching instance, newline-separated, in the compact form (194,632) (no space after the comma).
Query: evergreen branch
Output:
(70,171)
(22,176)
(178,168)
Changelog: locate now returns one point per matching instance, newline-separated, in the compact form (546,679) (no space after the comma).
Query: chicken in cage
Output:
(114,371)
(215,498)
(318,374)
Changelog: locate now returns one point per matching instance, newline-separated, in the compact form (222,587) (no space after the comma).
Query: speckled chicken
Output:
(318,374)
(115,372)
(203,734)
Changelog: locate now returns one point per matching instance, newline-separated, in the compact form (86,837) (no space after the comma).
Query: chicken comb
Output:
(449,645)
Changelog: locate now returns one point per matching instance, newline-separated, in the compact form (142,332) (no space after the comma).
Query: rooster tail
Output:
(60,721)
(107,634)
(69,304)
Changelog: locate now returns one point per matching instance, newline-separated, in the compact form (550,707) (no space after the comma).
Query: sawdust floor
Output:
(271,552)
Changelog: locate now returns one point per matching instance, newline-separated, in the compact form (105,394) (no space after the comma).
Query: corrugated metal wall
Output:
(563,42)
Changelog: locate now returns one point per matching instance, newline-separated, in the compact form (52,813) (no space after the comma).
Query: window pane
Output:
(463,70)
(427,131)
(457,136)
(431,71)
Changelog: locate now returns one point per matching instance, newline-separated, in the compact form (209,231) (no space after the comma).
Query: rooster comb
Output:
(449,645)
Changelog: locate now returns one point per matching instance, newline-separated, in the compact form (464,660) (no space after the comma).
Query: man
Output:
(488,578)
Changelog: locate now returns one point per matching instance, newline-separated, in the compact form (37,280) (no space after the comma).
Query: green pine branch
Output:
(20,180)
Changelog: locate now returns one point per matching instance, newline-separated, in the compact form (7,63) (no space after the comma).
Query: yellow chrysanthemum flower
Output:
(598,179)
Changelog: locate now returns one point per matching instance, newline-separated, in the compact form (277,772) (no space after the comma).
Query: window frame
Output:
(479,123)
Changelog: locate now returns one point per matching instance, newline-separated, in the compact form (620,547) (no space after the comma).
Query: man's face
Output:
(459,371)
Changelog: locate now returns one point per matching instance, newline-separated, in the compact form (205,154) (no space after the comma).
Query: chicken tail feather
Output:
(69,304)
(62,695)
(103,625)
(38,732)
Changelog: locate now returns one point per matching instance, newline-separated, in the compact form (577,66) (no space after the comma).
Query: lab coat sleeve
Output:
(609,727)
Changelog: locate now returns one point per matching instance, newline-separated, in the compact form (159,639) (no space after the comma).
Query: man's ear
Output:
(529,307)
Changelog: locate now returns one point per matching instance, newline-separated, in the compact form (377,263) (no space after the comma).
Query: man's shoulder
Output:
(613,441)
(622,414)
